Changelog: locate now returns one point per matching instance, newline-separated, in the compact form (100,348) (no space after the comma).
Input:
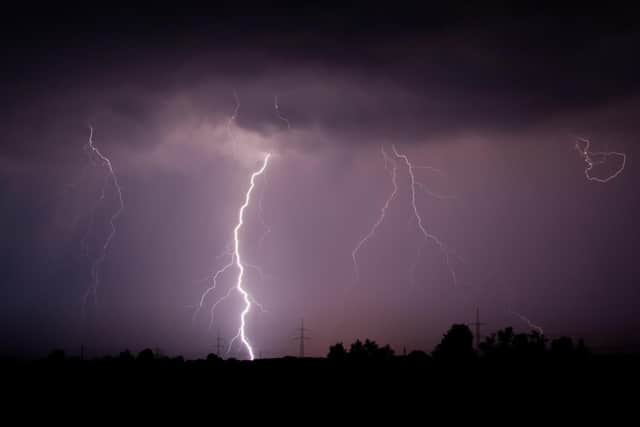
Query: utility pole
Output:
(302,337)
(477,325)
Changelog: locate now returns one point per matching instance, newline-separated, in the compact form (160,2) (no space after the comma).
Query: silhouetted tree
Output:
(357,351)
(385,353)
(56,356)
(125,356)
(562,347)
(506,344)
(538,342)
(505,338)
(418,356)
(371,348)
(337,352)
(145,355)
(489,345)
(213,358)
(456,344)
(581,349)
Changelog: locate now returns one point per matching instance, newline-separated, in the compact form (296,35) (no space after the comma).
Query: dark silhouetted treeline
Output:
(505,361)
(456,347)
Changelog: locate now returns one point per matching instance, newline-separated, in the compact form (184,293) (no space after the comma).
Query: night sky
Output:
(492,98)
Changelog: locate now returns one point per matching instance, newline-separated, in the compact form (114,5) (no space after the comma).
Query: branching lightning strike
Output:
(98,159)
(592,159)
(234,253)
(427,235)
(214,284)
(239,263)
(235,260)
(383,211)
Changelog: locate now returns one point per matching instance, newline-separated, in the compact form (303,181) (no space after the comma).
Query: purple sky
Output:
(491,102)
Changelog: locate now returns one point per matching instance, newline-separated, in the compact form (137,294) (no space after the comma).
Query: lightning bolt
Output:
(98,159)
(84,243)
(532,325)
(267,227)
(232,120)
(433,194)
(280,116)
(592,159)
(237,259)
(427,235)
(383,210)
(214,284)
(234,253)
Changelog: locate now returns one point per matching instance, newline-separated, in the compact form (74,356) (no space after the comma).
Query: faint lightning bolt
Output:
(531,325)
(212,312)
(433,194)
(383,211)
(239,263)
(418,217)
(214,284)
(267,227)
(84,243)
(592,159)
(232,120)
(98,158)
(280,116)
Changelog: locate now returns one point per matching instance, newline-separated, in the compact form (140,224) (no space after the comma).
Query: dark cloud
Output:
(393,77)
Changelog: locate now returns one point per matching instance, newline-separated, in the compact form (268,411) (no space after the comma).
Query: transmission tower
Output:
(219,344)
(477,325)
(302,337)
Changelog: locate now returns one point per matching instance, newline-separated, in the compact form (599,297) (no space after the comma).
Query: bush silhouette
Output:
(456,344)
(337,352)
(146,356)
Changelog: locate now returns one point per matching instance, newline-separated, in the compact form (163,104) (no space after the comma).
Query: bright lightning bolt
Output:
(98,158)
(383,211)
(234,254)
(592,159)
(239,263)
(418,217)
